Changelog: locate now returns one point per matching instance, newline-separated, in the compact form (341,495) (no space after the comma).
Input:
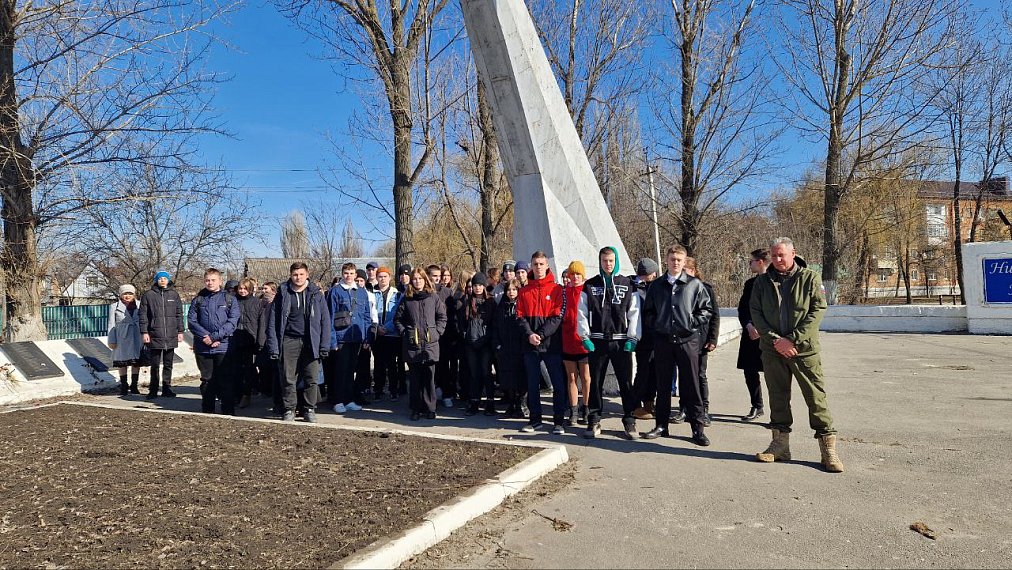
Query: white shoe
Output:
(448,402)
(340,408)
(353,407)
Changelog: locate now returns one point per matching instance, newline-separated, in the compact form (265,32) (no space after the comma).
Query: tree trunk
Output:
(834,158)
(906,274)
(957,230)
(400,112)
(19,260)
(489,177)
(687,191)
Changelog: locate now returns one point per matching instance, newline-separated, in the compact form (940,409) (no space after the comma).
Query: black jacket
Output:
(711,332)
(162,317)
(248,330)
(507,332)
(318,332)
(676,313)
(749,353)
(475,329)
(420,322)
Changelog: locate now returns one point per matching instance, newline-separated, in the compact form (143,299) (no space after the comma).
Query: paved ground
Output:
(925,426)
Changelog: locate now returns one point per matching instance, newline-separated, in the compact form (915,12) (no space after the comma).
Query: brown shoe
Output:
(643,413)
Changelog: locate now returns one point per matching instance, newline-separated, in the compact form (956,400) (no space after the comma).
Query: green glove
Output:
(588,344)
(630,346)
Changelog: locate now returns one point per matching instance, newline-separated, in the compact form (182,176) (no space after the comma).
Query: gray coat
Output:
(125,333)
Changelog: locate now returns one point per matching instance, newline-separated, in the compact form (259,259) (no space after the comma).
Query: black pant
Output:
(343,363)
(754,385)
(246,372)
(389,369)
(422,387)
(645,384)
(668,355)
(448,367)
(217,380)
(363,373)
(704,386)
(479,372)
(606,351)
(164,358)
(299,365)
(512,378)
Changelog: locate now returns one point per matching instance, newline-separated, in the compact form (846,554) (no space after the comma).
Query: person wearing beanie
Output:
(161,325)
(230,286)
(403,278)
(522,269)
(574,354)
(125,338)
(507,275)
(609,326)
(644,385)
(476,314)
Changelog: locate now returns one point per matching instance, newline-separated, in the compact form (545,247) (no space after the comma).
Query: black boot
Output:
(123,390)
(656,433)
(707,420)
(570,417)
(472,408)
(133,385)
(678,417)
(753,414)
(698,437)
(490,407)
(582,418)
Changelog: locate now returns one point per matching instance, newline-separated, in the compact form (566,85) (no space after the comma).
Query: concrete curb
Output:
(438,523)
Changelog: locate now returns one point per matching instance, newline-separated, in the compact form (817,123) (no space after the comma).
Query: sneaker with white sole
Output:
(447,402)
(558,430)
(340,408)
(289,416)
(530,428)
(309,416)
(353,407)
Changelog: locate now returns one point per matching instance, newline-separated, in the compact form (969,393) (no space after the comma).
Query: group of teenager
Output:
(486,337)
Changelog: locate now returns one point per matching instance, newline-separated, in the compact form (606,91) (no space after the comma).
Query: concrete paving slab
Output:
(924,422)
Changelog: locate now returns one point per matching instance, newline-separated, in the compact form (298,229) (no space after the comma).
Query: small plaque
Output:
(30,360)
(95,352)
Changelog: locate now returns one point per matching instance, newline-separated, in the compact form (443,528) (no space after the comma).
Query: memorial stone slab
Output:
(29,359)
(95,352)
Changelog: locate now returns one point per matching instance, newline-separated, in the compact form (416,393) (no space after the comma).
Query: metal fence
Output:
(80,321)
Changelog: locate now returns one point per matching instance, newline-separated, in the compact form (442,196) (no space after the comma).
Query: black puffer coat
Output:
(161,317)
(507,332)
(246,335)
(421,322)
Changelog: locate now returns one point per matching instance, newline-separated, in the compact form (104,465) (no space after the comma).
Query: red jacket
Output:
(571,341)
(540,306)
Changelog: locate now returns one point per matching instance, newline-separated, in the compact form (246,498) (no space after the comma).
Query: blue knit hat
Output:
(161,274)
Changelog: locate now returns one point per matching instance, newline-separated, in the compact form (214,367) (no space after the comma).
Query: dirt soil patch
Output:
(93,487)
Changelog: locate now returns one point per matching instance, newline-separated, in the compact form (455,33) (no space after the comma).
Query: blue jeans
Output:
(532,368)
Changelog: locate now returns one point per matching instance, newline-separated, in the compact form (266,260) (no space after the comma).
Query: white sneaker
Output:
(448,402)
(558,430)
(353,407)
(340,408)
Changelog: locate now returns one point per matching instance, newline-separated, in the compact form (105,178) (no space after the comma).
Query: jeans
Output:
(557,374)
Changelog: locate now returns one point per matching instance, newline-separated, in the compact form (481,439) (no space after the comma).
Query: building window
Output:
(915,275)
(883,277)
(932,276)
(92,281)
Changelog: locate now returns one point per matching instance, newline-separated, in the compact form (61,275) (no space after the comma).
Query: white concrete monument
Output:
(987,276)
(557,204)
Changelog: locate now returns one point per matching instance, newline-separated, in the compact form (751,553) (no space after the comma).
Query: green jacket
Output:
(797,316)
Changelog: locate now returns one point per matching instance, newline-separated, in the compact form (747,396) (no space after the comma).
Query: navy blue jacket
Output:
(214,315)
(362,305)
(320,327)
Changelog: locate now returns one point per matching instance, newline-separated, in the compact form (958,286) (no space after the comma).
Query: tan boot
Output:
(830,460)
(779,449)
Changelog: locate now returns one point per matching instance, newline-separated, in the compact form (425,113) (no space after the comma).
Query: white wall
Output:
(982,317)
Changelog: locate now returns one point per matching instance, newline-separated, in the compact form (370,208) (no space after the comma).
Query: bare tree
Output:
(716,123)
(178,220)
(294,236)
(351,244)
(84,84)
(384,40)
(854,67)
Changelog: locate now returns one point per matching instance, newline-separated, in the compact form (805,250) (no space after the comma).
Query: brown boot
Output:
(779,449)
(830,460)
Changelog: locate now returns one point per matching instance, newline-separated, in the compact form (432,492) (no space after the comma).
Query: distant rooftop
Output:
(993,188)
